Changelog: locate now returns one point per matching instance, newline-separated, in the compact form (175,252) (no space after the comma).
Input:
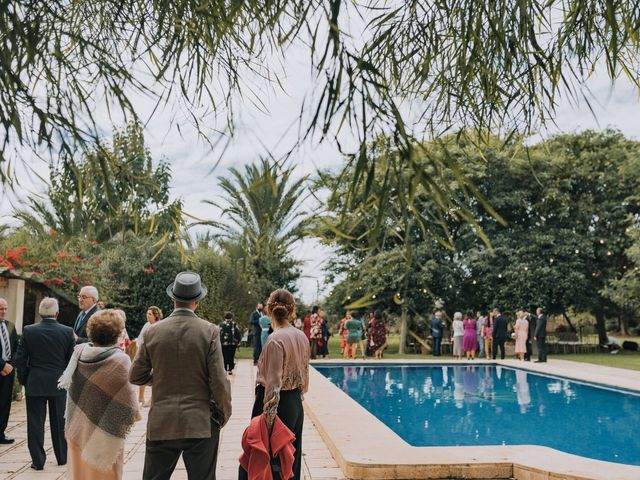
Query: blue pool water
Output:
(449,405)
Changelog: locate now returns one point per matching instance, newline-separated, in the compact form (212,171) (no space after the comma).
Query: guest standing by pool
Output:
(283,376)
(265,326)
(521,331)
(154,314)
(499,333)
(343,332)
(323,346)
(353,327)
(378,332)
(437,331)
(457,335)
(541,336)
(469,338)
(487,335)
(480,319)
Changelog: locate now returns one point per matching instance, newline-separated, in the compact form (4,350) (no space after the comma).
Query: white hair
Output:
(91,291)
(457,316)
(48,307)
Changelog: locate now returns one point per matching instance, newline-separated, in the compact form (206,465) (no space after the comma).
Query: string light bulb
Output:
(602,241)
(577,251)
(551,260)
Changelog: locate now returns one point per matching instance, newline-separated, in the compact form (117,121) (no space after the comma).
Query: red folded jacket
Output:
(256,444)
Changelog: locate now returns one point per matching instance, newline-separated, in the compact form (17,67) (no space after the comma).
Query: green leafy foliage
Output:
(113,191)
(566,203)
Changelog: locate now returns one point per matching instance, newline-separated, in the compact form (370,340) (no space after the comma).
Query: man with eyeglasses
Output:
(88,303)
(8,347)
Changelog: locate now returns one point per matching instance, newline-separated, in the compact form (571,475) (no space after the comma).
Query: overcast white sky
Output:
(258,131)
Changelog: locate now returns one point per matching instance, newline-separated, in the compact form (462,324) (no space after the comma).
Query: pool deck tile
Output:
(318,464)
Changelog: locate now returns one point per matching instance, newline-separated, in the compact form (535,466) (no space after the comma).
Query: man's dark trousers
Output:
(542,349)
(6,394)
(37,411)
(199,454)
(437,341)
(498,343)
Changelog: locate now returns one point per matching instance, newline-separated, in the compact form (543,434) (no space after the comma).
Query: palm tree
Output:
(262,220)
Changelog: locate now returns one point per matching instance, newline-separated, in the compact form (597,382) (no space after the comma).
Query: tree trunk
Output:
(566,317)
(624,323)
(601,326)
(403,329)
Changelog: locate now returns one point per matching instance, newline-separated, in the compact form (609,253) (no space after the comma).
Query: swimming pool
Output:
(480,405)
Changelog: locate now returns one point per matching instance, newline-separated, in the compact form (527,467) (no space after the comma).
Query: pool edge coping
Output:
(388,456)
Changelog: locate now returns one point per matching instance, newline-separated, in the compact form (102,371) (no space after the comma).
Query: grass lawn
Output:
(629,360)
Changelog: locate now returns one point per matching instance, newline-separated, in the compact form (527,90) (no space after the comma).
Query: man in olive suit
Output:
(191,396)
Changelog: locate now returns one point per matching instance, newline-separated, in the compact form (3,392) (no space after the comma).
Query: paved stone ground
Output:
(317,461)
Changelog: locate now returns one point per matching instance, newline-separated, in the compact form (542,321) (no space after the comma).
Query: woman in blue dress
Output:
(265,325)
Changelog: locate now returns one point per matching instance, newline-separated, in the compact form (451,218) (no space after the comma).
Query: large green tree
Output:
(261,220)
(565,206)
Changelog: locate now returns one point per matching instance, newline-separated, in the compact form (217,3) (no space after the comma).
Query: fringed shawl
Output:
(101,403)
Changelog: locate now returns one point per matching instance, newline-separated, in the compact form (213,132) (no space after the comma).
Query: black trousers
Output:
(527,355)
(36,414)
(6,394)
(498,342)
(542,349)
(291,413)
(200,456)
(437,341)
(257,344)
(229,354)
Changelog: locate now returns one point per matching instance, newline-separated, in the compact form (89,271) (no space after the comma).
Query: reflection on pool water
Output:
(444,405)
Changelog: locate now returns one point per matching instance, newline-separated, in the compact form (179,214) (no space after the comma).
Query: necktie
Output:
(81,316)
(6,344)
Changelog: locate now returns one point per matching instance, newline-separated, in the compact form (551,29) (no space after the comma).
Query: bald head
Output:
(48,308)
(4,309)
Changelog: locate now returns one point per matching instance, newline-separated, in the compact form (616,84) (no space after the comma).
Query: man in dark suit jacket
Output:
(541,336)
(88,302)
(191,396)
(499,333)
(8,347)
(42,358)
(257,333)
(437,330)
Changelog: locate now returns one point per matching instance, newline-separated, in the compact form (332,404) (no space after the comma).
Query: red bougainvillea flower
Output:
(53,231)
(62,255)
(55,281)
(54,264)
(94,242)
(74,279)
(76,260)
(6,263)
(97,261)
(149,270)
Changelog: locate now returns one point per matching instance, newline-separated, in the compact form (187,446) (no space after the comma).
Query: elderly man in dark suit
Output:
(191,397)
(541,336)
(499,333)
(437,331)
(8,347)
(42,357)
(88,303)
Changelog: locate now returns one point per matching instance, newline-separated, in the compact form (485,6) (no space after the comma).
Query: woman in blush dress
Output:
(457,330)
(522,331)
(470,336)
